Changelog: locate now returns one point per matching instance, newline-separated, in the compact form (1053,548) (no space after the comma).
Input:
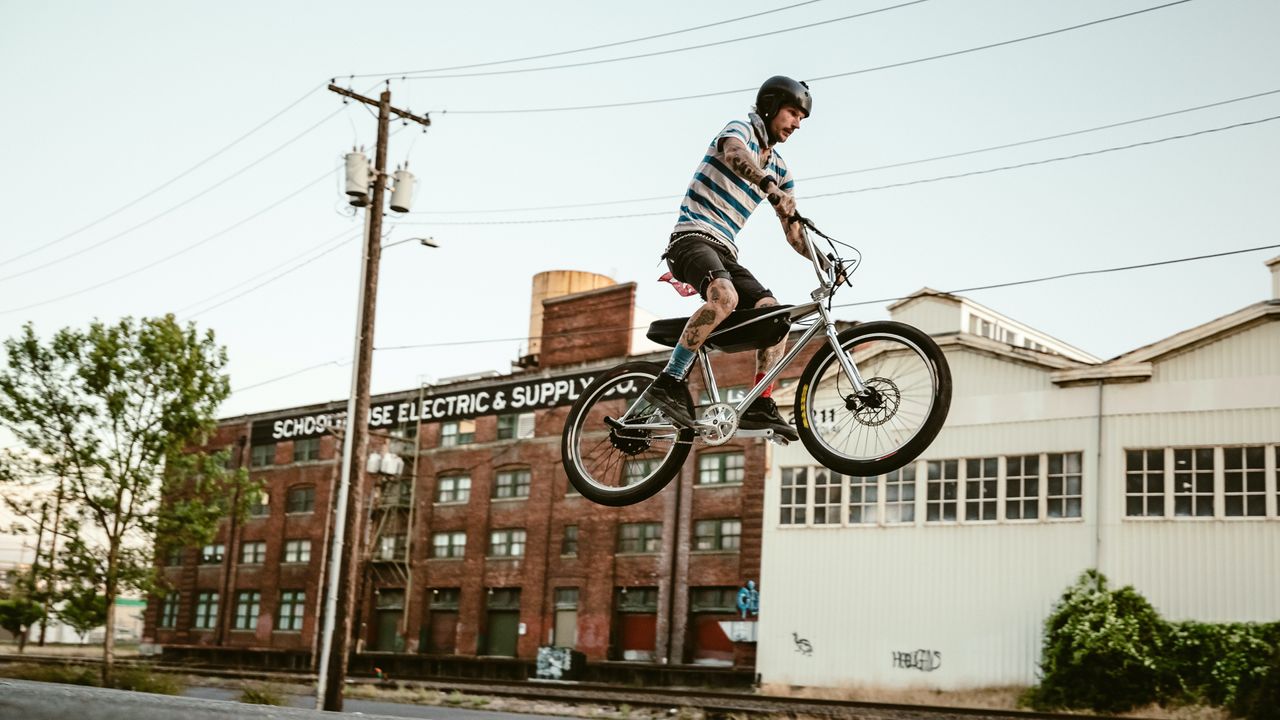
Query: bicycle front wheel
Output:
(908,394)
(616,449)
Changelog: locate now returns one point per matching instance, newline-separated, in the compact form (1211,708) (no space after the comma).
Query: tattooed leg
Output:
(721,300)
(766,358)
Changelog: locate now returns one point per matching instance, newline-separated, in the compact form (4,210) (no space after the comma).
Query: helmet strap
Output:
(764,132)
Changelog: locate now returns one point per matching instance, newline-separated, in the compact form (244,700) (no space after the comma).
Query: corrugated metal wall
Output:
(972,597)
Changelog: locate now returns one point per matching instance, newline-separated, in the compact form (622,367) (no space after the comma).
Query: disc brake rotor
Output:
(878,404)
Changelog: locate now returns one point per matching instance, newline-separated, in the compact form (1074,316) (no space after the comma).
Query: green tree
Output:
(120,412)
(83,609)
(17,615)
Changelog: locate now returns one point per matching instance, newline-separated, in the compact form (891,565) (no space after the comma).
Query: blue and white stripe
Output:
(719,201)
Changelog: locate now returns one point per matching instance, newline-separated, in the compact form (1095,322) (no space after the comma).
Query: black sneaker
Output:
(763,414)
(668,395)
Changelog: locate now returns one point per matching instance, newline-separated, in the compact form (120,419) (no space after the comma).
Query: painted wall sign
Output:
(510,397)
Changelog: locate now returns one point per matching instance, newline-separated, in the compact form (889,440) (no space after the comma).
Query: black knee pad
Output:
(713,275)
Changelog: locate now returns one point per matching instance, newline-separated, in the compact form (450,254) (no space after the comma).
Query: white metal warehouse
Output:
(1158,467)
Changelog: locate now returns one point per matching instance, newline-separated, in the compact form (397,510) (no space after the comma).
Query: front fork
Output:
(850,371)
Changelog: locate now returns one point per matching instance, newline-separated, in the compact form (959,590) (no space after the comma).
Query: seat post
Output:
(708,377)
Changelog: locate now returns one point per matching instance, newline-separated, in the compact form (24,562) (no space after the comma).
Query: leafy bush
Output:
(1101,649)
(1258,696)
(1211,660)
(142,679)
(1109,650)
(66,674)
(262,694)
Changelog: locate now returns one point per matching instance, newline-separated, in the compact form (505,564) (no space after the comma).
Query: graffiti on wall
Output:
(803,646)
(922,660)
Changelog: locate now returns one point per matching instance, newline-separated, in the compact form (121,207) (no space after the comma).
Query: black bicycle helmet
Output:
(781,90)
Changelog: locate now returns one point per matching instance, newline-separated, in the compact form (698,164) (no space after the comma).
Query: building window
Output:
(297,551)
(637,469)
(506,543)
(1193,482)
(569,541)
(448,544)
(864,505)
(717,534)
(206,611)
(1065,491)
(795,486)
(713,599)
(900,495)
(639,537)
(827,496)
(512,484)
(247,604)
(262,455)
(1022,487)
(1244,477)
(169,610)
(942,485)
(301,499)
(642,600)
(392,547)
(293,604)
(982,476)
(253,553)
(306,449)
(720,468)
(515,427)
(212,554)
(173,558)
(458,432)
(1144,483)
(453,489)
(260,504)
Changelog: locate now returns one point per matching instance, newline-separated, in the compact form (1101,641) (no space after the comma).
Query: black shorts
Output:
(697,260)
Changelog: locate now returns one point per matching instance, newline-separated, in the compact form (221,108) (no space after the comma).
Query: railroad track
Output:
(711,702)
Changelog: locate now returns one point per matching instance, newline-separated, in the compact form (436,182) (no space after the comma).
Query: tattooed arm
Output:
(736,155)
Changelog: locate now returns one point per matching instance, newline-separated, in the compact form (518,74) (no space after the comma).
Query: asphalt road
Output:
(25,700)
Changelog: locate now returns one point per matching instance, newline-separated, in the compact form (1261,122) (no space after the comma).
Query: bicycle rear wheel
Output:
(608,462)
(906,402)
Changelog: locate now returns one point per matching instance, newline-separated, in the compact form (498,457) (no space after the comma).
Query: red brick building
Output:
(478,545)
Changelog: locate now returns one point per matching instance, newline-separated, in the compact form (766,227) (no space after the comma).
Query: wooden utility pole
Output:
(350,501)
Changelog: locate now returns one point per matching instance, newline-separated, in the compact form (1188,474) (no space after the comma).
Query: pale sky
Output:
(109,101)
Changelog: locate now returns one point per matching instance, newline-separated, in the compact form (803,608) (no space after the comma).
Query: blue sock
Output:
(680,362)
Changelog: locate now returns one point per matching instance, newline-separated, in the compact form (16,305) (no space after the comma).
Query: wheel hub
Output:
(631,442)
(878,404)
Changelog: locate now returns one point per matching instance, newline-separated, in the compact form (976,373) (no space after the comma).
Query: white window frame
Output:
(253,552)
(297,551)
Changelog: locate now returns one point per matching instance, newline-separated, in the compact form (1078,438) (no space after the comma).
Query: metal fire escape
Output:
(389,552)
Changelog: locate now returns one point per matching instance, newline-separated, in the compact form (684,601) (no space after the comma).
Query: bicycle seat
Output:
(750,329)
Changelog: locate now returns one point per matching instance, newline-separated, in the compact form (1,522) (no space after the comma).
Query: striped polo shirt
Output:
(718,201)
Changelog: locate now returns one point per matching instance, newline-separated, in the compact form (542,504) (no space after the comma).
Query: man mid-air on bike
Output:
(740,169)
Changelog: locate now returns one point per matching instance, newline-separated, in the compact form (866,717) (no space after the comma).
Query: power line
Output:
(166,183)
(173,208)
(342,238)
(670,51)
(904,163)
(585,49)
(1012,283)
(653,101)
(976,288)
(888,186)
(1033,163)
(173,255)
(295,373)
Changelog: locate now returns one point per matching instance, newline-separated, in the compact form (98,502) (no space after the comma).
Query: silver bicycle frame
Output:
(827,278)
(827,325)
